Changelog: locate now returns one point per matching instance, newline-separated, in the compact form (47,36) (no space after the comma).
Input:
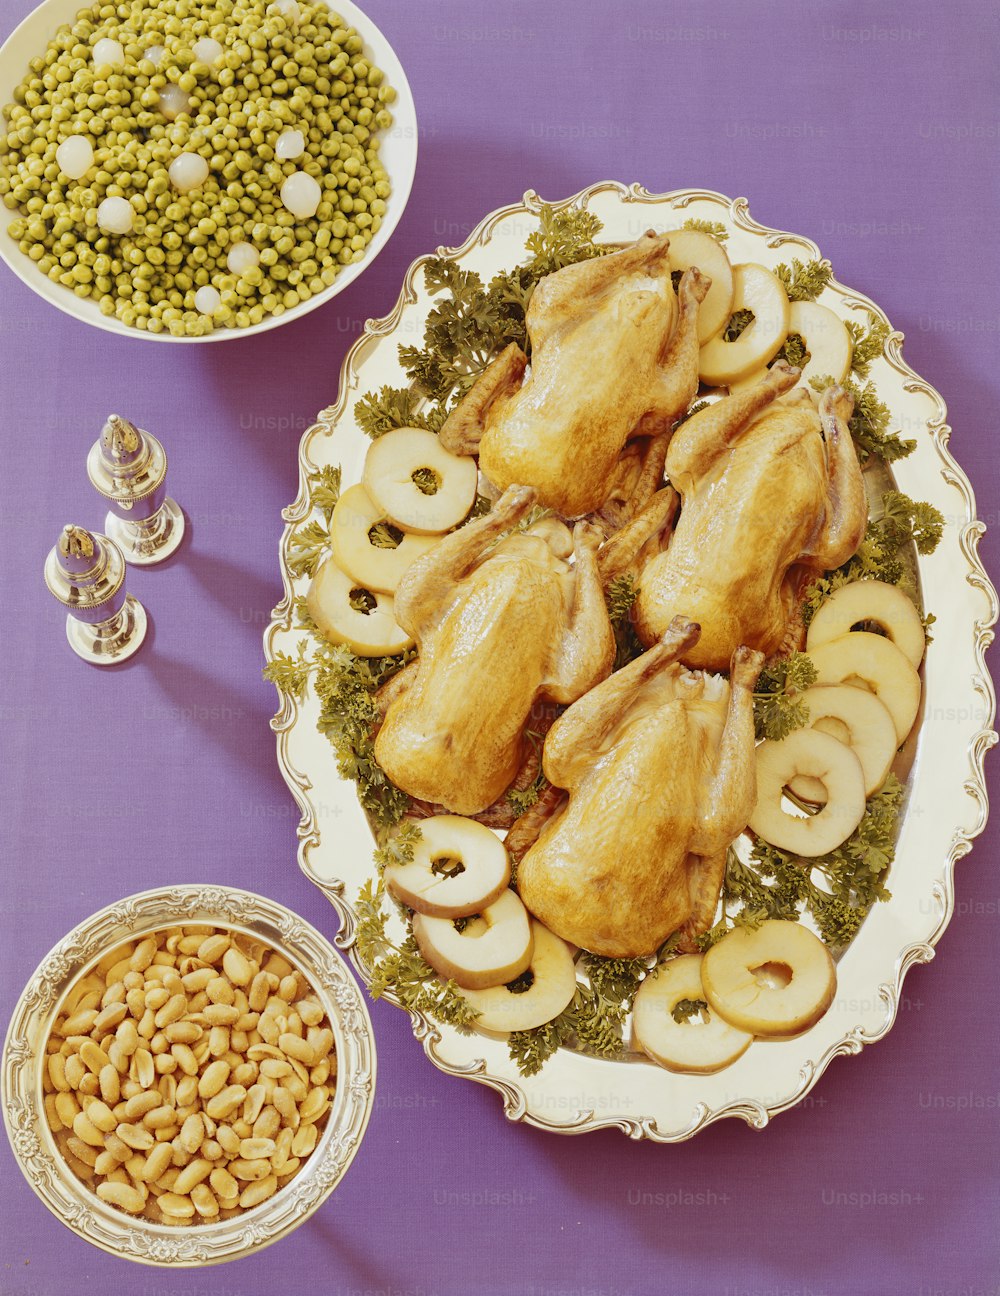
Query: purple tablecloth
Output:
(872,129)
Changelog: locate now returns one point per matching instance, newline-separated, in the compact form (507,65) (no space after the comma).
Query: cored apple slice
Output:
(826,339)
(693,1045)
(778,979)
(490,950)
(817,755)
(874,662)
(690,247)
(553,985)
(368,555)
(459,868)
(420,486)
(870,600)
(758,290)
(347,613)
(855,717)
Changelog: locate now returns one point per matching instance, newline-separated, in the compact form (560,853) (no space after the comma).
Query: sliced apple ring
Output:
(356,547)
(874,662)
(420,486)
(347,613)
(826,339)
(689,248)
(870,600)
(778,979)
(695,1046)
(459,868)
(758,290)
(819,756)
(552,987)
(855,717)
(490,950)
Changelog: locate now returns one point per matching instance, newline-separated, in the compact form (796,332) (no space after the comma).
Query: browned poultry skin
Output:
(658,763)
(497,626)
(614,355)
(763,493)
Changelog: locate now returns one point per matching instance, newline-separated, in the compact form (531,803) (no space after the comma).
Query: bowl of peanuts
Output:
(188,1075)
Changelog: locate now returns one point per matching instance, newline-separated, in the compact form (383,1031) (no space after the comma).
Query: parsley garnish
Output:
(880,555)
(738,322)
(620,596)
(684,1009)
(869,344)
(804,280)
(715,228)
(474,322)
(345,685)
(289,674)
(401,971)
(306,546)
(869,423)
(793,351)
(324,489)
(776,708)
(384,535)
(397,847)
(395,407)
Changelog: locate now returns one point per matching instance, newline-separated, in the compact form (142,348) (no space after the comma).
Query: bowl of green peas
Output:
(199,170)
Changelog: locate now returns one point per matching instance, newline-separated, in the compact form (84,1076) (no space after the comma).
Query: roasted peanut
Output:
(123,1196)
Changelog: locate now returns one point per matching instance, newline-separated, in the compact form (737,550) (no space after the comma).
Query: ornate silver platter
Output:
(38,1007)
(946,805)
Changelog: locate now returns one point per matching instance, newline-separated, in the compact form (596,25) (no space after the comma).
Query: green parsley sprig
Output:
(400,970)
(869,423)
(394,407)
(715,228)
(804,280)
(869,344)
(880,556)
(777,708)
(473,322)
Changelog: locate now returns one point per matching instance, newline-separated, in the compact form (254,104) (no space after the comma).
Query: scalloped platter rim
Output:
(946,806)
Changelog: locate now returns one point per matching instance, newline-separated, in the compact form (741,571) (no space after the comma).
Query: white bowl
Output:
(398,150)
(45,1168)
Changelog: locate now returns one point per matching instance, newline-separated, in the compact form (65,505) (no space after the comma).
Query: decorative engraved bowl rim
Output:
(574,1093)
(34,1015)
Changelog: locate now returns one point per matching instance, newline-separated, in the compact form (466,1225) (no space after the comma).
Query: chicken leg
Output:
(588,647)
(429,579)
(572,740)
(847,509)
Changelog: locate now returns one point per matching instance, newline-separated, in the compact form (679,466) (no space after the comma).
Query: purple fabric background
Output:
(874,130)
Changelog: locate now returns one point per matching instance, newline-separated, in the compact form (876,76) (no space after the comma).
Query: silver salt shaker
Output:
(86,573)
(128,466)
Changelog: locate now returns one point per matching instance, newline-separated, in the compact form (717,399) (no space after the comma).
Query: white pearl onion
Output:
(75,156)
(301,195)
(188,171)
(242,257)
(207,300)
(155,53)
(174,101)
(114,216)
(108,53)
(291,144)
(288,9)
(207,50)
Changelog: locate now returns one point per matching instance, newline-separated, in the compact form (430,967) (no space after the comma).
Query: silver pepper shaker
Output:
(86,573)
(128,466)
